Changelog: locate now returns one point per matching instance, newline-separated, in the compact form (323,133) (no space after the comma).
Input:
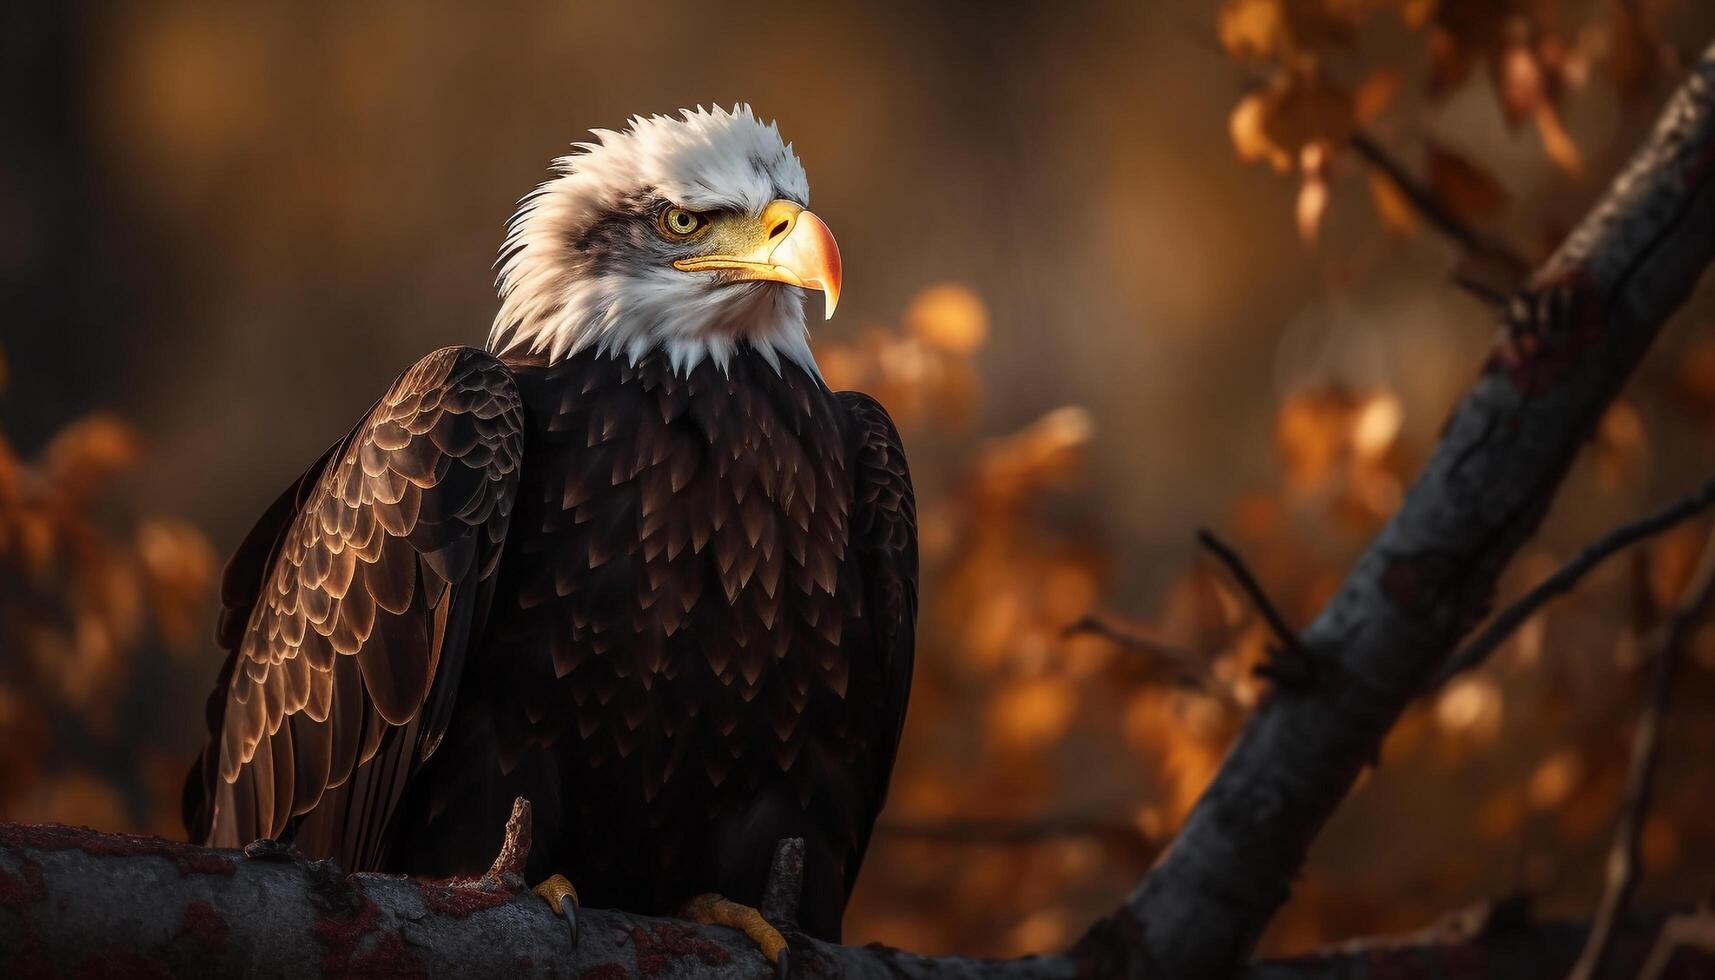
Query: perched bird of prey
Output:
(634,561)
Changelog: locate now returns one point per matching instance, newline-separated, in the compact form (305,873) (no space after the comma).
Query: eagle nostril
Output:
(779,229)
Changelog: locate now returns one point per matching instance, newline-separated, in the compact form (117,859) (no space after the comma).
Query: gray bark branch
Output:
(80,902)
(77,902)
(1507,622)
(1569,342)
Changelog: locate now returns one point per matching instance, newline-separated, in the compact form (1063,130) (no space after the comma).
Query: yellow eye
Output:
(679,223)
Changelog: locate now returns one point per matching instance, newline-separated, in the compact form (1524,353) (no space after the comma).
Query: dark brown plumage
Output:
(674,610)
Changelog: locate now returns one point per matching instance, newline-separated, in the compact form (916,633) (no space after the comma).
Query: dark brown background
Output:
(232,225)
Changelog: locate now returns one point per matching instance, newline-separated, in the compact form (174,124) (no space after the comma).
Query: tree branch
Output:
(1440,215)
(77,902)
(1570,341)
(1162,661)
(1289,663)
(1508,620)
(1622,870)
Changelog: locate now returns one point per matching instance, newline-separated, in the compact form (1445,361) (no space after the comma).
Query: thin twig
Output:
(1290,645)
(1437,211)
(1622,868)
(1692,930)
(1507,622)
(1187,667)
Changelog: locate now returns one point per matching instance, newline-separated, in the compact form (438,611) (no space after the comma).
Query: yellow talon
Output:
(714,910)
(563,899)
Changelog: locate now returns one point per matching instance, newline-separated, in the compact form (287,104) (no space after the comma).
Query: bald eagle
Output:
(633,561)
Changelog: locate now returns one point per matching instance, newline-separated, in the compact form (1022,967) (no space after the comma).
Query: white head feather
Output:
(560,295)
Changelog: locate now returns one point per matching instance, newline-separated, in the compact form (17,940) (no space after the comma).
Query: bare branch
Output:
(1179,665)
(1508,620)
(1693,931)
(1291,663)
(1622,869)
(80,903)
(1441,215)
(1570,341)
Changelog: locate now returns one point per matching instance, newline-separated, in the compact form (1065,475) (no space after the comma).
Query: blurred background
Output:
(1120,270)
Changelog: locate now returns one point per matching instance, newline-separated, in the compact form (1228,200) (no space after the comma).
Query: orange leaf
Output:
(1519,81)
(1294,110)
(1375,94)
(1396,213)
(1464,186)
(1250,140)
(1252,28)
(1557,142)
(1312,200)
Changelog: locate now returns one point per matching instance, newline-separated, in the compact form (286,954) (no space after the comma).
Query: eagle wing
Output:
(884,536)
(350,610)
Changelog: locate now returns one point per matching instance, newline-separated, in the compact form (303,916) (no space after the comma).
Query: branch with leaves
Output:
(78,900)
(1567,345)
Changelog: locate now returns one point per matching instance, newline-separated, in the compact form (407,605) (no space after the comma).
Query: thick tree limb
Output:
(1570,341)
(80,903)
(76,901)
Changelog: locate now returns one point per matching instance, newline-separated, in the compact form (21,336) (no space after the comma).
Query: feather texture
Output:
(356,612)
(683,602)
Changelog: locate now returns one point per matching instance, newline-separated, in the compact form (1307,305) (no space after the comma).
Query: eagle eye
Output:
(679,224)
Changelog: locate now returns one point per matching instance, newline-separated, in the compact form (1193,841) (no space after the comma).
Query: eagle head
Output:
(683,233)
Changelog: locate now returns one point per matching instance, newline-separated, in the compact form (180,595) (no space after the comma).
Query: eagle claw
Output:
(716,910)
(563,899)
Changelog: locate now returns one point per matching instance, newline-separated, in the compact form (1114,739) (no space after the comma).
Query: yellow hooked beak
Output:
(786,244)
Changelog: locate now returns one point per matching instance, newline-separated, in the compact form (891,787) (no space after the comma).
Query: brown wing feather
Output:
(348,638)
(884,536)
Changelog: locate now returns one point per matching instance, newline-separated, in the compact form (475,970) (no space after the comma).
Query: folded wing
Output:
(350,612)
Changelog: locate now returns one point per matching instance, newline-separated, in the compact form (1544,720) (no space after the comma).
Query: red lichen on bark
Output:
(203,924)
(25,887)
(349,955)
(459,898)
(660,944)
(604,971)
(1403,581)
(1548,333)
(54,837)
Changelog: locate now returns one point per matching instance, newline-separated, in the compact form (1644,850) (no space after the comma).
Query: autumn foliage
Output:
(1329,70)
(1064,721)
